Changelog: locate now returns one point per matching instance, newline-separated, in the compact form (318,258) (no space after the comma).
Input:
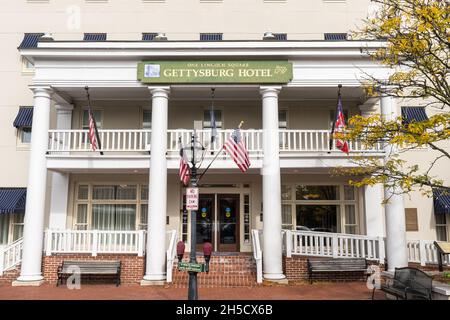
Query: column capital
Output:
(269,91)
(63,107)
(159,91)
(42,91)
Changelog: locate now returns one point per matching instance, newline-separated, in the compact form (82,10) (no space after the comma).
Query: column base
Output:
(28,281)
(278,278)
(158,283)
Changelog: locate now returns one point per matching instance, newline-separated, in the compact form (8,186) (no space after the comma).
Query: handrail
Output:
(257,253)
(11,255)
(171,254)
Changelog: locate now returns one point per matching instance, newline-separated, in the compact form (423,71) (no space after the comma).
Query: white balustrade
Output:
(94,242)
(291,141)
(334,245)
(424,252)
(11,255)
(257,253)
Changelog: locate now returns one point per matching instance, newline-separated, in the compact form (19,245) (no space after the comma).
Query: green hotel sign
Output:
(267,71)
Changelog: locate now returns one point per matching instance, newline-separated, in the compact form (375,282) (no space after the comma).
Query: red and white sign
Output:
(192,198)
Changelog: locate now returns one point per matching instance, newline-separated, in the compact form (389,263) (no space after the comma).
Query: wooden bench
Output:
(90,268)
(408,284)
(336,265)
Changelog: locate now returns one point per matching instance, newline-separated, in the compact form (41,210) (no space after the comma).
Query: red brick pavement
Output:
(316,291)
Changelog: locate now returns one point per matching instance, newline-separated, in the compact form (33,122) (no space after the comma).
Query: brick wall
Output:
(296,270)
(10,275)
(132,270)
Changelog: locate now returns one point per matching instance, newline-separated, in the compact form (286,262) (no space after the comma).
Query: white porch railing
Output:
(257,253)
(171,253)
(291,141)
(94,242)
(334,245)
(424,252)
(11,255)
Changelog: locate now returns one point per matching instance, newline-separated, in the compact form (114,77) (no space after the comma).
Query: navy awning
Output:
(12,200)
(210,37)
(149,36)
(30,40)
(280,36)
(94,37)
(335,36)
(413,114)
(441,200)
(24,118)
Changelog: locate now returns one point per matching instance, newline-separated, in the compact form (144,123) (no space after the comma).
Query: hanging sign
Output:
(264,71)
(192,198)
(192,267)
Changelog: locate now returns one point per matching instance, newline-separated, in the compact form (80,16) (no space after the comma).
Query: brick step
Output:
(10,275)
(224,271)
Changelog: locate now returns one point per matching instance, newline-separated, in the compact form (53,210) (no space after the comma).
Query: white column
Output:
(394,209)
(373,199)
(60,180)
(272,246)
(33,235)
(373,195)
(157,209)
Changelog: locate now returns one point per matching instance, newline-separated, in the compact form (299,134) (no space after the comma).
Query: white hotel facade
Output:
(130,200)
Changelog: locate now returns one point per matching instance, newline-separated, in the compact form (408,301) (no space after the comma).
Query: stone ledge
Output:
(18,283)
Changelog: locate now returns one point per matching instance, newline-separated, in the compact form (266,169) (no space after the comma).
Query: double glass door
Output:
(218,223)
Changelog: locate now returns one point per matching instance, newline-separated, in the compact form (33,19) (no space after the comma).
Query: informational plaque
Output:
(443,248)
(192,198)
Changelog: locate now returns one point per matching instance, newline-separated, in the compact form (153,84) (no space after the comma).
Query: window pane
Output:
(440,219)
(17,231)
(317,193)
(83,192)
(207,118)
(113,217)
(4,228)
(103,193)
(286,192)
(82,213)
(350,229)
(286,216)
(282,119)
(147,119)
(350,216)
(441,232)
(144,192)
(126,192)
(349,192)
(144,213)
(97,116)
(317,218)
(25,136)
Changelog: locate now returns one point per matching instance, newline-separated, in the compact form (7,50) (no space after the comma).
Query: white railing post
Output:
(335,245)
(381,249)
(141,244)
(48,246)
(288,243)
(422,253)
(94,243)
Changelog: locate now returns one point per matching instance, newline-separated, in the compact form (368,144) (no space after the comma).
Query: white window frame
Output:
(443,225)
(19,141)
(222,122)
(26,70)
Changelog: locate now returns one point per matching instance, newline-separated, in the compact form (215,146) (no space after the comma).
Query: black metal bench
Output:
(337,265)
(408,283)
(90,268)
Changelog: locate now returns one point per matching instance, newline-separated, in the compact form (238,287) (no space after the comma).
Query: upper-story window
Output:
(23,123)
(207,119)
(146,119)
(98,116)
(282,119)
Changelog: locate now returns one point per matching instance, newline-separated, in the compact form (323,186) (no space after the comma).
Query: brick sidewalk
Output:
(320,291)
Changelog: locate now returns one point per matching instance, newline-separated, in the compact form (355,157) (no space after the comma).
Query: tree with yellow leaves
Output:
(416,34)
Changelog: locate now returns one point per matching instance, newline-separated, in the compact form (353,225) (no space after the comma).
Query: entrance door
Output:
(228,222)
(205,220)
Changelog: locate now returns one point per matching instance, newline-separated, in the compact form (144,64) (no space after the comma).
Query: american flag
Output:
(184,169)
(235,146)
(339,127)
(93,132)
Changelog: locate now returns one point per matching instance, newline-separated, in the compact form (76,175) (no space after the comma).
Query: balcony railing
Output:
(291,141)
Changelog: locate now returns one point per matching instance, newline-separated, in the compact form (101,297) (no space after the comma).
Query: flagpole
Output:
(334,121)
(95,123)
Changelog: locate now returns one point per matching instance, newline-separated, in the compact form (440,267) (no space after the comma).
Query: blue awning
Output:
(441,200)
(210,37)
(413,114)
(335,36)
(149,36)
(30,40)
(94,37)
(12,200)
(24,118)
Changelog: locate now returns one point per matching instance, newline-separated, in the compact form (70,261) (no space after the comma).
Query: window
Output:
(23,122)
(4,228)
(210,36)
(97,116)
(247,218)
(17,226)
(111,207)
(441,227)
(207,119)
(413,114)
(411,219)
(282,119)
(146,119)
(25,134)
(27,66)
(11,228)
(324,208)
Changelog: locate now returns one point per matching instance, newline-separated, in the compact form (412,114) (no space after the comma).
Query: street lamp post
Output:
(193,292)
